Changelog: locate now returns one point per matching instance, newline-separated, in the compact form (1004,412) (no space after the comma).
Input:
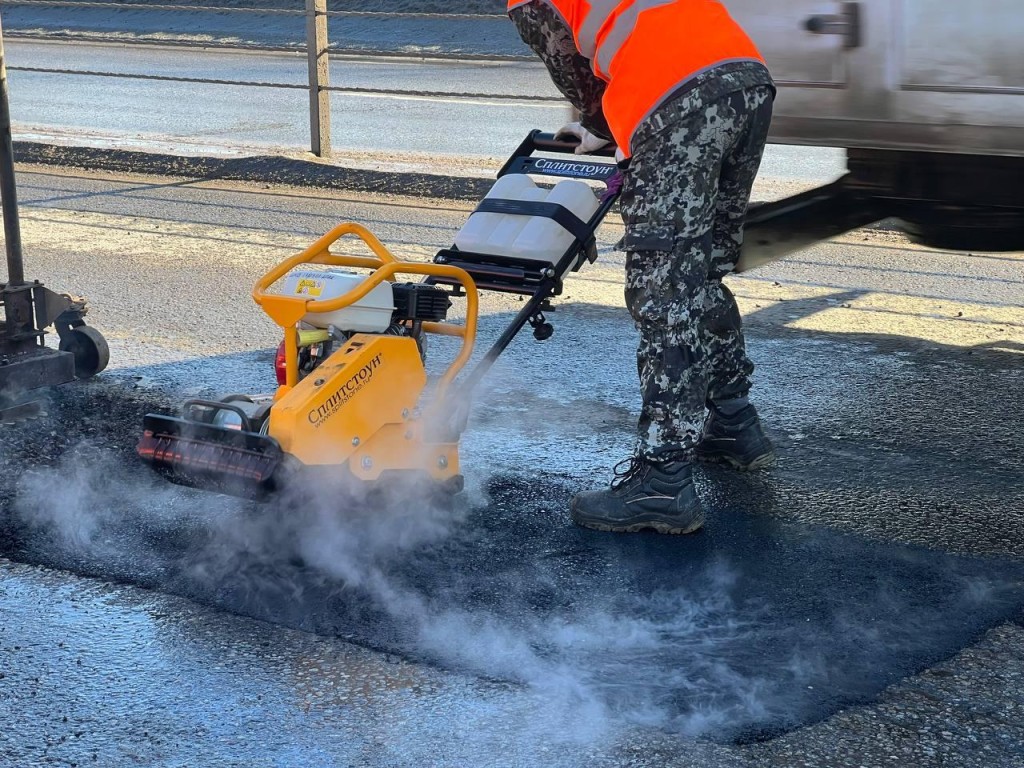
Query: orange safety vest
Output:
(646,49)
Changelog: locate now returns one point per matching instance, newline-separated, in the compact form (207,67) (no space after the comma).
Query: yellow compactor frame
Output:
(361,406)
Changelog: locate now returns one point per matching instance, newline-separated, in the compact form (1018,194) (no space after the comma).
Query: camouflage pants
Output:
(683,202)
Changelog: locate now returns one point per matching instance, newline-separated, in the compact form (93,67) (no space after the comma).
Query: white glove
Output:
(588,141)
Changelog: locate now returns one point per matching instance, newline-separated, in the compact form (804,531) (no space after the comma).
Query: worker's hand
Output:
(588,141)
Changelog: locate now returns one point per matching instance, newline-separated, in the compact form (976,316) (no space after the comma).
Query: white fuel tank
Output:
(371,314)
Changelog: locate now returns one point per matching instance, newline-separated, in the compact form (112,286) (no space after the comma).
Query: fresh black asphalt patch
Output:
(792,604)
(741,632)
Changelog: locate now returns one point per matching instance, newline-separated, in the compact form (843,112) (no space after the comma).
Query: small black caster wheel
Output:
(543,332)
(89,348)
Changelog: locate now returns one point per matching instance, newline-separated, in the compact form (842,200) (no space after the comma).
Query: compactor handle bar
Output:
(525,159)
(523,276)
(287,311)
(546,142)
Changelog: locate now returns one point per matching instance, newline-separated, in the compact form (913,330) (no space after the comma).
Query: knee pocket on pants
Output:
(682,263)
(648,237)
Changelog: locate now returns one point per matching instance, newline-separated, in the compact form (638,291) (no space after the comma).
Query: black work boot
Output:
(646,494)
(736,439)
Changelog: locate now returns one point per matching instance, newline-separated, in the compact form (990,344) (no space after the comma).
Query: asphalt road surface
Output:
(858,604)
(186,117)
(406,35)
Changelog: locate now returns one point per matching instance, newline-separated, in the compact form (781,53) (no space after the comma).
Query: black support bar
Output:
(777,229)
(8,188)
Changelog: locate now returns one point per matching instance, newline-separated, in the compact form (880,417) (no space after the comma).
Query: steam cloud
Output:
(593,670)
(705,654)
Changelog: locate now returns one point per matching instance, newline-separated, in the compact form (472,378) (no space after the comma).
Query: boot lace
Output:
(627,470)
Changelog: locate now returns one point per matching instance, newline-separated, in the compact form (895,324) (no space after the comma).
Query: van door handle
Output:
(845,23)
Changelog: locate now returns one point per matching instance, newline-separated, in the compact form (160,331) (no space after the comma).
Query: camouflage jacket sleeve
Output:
(544,30)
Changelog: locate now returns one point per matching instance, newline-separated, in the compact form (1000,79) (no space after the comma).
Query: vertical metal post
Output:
(319,78)
(8,190)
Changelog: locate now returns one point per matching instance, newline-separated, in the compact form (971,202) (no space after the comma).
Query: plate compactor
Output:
(354,403)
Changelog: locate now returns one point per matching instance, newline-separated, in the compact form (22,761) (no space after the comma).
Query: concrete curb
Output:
(269,169)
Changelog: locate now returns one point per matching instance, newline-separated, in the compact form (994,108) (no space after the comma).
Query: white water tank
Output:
(480,234)
(501,241)
(521,236)
(545,239)
(371,314)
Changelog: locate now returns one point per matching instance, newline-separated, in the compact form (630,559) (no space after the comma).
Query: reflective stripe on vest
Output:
(596,16)
(664,44)
(620,30)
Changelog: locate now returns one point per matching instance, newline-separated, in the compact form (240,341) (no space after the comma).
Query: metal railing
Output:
(318,50)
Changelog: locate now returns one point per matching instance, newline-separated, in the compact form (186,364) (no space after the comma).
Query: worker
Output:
(687,98)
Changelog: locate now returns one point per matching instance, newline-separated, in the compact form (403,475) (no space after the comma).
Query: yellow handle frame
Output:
(287,311)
